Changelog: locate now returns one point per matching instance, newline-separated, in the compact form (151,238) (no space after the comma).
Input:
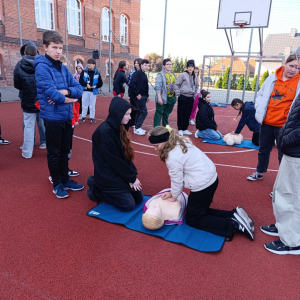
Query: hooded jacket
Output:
(24,80)
(77,75)
(205,116)
(120,79)
(50,79)
(22,52)
(186,85)
(112,171)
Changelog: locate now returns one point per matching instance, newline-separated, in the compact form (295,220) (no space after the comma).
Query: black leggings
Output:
(255,138)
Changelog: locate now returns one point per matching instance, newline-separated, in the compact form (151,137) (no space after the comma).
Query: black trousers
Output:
(71,143)
(80,103)
(58,141)
(200,216)
(124,201)
(184,109)
(255,138)
(268,134)
(142,111)
(132,115)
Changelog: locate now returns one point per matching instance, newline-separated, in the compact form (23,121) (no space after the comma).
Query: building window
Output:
(107,69)
(124,30)
(74,17)
(44,14)
(105,24)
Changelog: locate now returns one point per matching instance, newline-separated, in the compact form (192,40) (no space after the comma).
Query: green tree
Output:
(264,77)
(240,85)
(219,83)
(176,66)
(181,64)
(185,62)
(226,79)
(253,84)
(233,84)
(248,86)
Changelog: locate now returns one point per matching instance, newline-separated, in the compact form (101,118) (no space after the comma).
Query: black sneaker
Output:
(82,121)
(255,176)
(4,142)
(93,121)
(73,173)
(246,218)
(239,225)
(278,247)
(271,194)
(269,229)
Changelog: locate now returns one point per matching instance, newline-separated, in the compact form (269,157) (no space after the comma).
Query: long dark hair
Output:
(122,64)
(127,146)
(237,101)
(193,73)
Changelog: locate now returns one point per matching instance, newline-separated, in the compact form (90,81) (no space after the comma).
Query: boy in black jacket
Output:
(140,90)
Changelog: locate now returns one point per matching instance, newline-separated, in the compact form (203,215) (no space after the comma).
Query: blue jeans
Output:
(209,134)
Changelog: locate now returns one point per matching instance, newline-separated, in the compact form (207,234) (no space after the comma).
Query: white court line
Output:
(151,109)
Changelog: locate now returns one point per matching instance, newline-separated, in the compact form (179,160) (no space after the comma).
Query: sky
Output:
(192,32)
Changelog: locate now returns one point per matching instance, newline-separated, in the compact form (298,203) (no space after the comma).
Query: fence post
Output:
(202,72)
(20,27)
(258,77)
(166,9)
(229,81)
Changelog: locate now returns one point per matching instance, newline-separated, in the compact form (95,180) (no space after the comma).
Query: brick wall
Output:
(80,47)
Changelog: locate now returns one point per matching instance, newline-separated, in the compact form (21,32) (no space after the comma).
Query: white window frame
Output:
(49,14)
(107,69)
(78,25)
(124,30)
(105,24)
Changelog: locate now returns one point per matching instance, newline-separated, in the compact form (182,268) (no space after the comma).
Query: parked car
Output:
(207,79)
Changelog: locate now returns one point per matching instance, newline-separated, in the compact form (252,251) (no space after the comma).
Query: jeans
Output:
(29,120)
(209,134)
(41,127)
(267,135)
(184,109)
(88,101)
(163,112)
(141,112)
(58,141)
(200,216)
(124,201)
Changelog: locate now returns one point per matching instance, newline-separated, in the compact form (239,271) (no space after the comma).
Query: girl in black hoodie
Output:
(115,176)
(120,80)
(206,125)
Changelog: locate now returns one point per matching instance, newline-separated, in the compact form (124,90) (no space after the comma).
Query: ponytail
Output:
(204,93)
(235,102)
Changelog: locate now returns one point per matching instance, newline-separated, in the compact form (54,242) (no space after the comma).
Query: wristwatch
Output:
(69,93)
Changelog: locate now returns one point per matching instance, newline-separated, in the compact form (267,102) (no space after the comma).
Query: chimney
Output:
(287,51)
(293,32)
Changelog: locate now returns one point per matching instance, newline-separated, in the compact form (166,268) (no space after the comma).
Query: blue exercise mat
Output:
(244,144)
(181,234)
(218,104)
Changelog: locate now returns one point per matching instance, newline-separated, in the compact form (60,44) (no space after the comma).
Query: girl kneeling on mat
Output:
(248,118)
(115,176)
(206,125)
(189,167)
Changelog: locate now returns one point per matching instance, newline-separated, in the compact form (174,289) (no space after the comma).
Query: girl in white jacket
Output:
(189,167)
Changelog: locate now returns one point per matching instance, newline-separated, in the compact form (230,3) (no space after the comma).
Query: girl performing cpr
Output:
(189,167)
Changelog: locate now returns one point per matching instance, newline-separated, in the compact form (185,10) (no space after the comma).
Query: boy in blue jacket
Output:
(57,91)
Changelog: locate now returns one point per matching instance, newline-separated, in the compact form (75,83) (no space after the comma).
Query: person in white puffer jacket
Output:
(190,168)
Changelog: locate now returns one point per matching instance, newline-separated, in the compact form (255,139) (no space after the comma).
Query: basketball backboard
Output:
(255,13)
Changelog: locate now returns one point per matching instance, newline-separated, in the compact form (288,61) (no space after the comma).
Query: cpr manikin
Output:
(231,139)
(159,212)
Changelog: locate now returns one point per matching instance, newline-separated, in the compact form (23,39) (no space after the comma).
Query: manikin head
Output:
(53,44)
(152,218)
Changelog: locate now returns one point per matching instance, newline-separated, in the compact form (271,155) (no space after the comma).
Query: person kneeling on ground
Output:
(206,125)
(189,167)
(115,176)
(248,118)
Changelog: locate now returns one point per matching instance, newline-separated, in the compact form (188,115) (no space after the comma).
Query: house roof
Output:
(238,67)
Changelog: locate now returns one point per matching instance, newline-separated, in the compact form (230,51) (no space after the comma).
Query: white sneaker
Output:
(139,131)
(186,132)
(21,147)
(192,122)
(50,179)
(196,134)
(42,146)
(180,132)
(143,130)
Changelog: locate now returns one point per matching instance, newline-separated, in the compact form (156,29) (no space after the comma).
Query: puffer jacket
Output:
(289,134)
(187,86)
(49,80)
(205,118)
(263,97)
(24,80)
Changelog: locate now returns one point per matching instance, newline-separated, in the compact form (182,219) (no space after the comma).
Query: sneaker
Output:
(186,132)
(133,126)
(278,247)
(82,121)
(73,185)
(269,229)
(50,179)
(4,142)
(196,134)
(180,132)
(60,192)
(255,176)
(240,225)
(271,194)
(246,218)
(93,121)
(43,146)
(139,131)
(143,130)
(73,173)
(192,122)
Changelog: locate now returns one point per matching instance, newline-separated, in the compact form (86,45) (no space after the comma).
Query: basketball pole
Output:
(246,74)
(165,23)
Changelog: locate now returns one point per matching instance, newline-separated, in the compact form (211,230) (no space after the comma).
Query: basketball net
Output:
(240,30)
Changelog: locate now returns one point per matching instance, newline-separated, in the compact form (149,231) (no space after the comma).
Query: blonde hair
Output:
(63,59)
(174,139)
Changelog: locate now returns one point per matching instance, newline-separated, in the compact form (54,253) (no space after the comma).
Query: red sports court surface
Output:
(50,249)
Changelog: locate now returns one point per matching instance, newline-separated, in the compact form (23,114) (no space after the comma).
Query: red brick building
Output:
(83,19)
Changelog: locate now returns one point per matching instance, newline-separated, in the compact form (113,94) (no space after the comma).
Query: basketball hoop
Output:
(240,23)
